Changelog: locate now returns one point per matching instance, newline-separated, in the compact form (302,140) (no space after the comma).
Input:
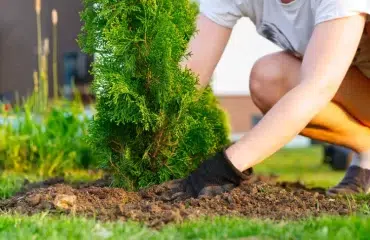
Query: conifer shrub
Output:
(153,123)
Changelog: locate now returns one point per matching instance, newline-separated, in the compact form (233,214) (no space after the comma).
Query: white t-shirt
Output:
(291,25)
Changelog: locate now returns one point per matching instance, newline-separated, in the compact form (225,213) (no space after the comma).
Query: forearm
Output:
(280,125)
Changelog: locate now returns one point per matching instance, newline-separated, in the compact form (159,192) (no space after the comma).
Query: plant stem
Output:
(39,54)
(35,95)
(45,81)
(55,61)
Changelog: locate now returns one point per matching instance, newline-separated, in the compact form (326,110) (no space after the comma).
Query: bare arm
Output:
(327,59)
(206,48)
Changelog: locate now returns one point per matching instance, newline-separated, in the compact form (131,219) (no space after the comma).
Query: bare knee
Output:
(269,80)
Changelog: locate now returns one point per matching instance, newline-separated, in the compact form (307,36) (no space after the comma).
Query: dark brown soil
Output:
(256,198)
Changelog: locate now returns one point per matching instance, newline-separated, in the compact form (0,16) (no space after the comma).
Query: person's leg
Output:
(345,121)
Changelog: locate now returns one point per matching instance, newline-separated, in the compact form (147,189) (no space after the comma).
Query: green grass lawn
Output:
(291,165)
(46,227)
(11,182)
(304,165)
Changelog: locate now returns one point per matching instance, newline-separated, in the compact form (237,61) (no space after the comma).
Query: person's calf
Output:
(357,177)
(362,160)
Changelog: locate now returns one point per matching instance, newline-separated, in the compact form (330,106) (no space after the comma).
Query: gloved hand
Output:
(216,175)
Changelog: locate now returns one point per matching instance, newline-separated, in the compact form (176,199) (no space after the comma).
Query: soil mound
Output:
(259,197)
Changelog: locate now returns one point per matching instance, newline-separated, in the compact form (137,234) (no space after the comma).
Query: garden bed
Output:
(259,197)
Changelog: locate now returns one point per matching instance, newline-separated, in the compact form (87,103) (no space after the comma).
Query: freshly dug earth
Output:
(259,197)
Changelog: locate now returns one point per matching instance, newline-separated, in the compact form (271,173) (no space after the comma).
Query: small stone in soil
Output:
(33,200)
(64,202)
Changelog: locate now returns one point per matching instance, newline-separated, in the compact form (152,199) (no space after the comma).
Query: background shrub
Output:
(47,143)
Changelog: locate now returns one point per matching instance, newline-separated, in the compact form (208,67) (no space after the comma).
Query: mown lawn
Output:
(292,165)
(305,165)
(45,227)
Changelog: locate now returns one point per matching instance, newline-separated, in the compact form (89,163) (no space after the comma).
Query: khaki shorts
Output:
(362,58)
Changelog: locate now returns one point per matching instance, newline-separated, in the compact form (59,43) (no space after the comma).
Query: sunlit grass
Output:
(304,165)
(46,227)
(12,182)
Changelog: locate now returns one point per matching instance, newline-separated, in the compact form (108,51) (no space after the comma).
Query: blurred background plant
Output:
(44,135)
(47,143)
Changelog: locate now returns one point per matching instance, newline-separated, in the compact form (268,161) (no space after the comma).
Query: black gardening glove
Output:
(214,176)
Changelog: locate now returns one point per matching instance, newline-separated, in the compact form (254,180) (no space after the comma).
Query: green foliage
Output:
(46,143)
(152,122)
(43,226)
(11,183)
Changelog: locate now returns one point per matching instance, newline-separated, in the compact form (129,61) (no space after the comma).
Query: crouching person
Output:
(318,86)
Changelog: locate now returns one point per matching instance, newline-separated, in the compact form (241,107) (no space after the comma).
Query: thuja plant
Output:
(153,123)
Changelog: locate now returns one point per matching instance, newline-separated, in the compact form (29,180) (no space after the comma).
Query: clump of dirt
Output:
(255,198)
